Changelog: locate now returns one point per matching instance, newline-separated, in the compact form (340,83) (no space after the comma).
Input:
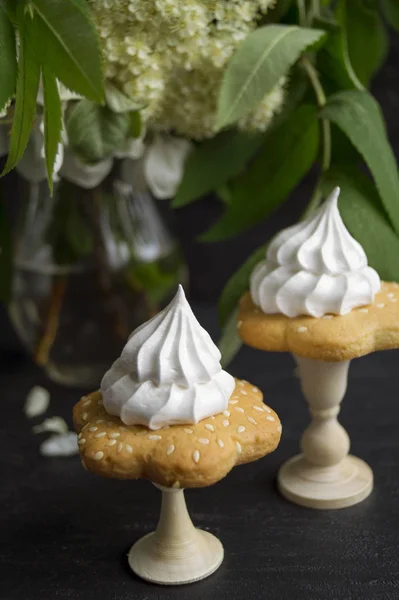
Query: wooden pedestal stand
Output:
(177,552)
(325,475)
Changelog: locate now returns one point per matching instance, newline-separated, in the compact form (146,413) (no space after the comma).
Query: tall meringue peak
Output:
(169,372)
(315,268)
(320,244)
(172,348)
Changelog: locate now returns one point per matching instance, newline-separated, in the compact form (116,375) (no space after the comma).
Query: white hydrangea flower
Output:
(170,56)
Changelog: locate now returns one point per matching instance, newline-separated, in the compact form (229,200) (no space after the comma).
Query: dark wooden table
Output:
(65,533)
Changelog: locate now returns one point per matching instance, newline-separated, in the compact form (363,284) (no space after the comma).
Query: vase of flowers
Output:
(239,99)
(92,261)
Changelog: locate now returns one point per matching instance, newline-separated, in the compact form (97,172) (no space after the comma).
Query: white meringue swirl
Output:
(169,372)
(314,268)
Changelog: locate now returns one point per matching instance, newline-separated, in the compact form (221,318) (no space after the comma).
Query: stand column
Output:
(177,552)
(325,475)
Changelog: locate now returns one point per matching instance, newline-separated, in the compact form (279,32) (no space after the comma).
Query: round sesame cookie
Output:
(330,338)
(185,456)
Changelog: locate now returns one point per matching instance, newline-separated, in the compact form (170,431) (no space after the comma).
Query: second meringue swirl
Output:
(314,268)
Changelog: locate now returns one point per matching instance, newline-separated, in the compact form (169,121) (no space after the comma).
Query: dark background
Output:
(64,533)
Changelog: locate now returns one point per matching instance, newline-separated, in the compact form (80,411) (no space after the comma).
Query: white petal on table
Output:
(53,425)
(37,402)
(65,444)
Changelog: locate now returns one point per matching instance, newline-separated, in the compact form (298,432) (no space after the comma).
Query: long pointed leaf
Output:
(26,94)
(287,155)
(237,285)
(360,118)
(8,59)
(52,121)
(66,41)
(259,63)
(214,162)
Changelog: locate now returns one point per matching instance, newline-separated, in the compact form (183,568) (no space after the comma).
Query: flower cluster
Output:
(170,55)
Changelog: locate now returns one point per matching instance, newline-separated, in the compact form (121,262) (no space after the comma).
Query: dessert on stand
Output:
(315,296)
(167,412)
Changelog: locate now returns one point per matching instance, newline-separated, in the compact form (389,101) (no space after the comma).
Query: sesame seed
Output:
(203,440)
(196,456)
(240,429)
(252,420)
(225,423)
(100,435)
(129,448)
(239,447)
(79,436)
(239,324)
(267,409)
(220,443)
(241,383)
(86,403)
(84,416)
(258,408)
(209,427)
(98,455)
(154,437)
(328,317)
(243,392)
(212,417)
(81,441)
(111,443)
(255,389)
(270,418)
(100,421)
(279,428)
(187,430)
(92,429)
(393,300)
(119,448)
(114,434)
(239,409)
(391,295)
(364,310)
(233,401)
(226,413)
(302,329)
(170,450)
(380,305)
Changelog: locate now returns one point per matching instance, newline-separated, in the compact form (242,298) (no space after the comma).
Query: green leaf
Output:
(237,285)
(359,116)
(366,36)
(94,131)
(52,121)
(214,162)
(333,60)
(364,216)
(259,63)
(230,342)
(287,155)
(390,8)
(10,7)
(5,257)
(118,101)
(66,42)
(8,59)
(26,93)
(136,124)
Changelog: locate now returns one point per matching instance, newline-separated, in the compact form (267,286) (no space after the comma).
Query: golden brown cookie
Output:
(331,338)
(179,455)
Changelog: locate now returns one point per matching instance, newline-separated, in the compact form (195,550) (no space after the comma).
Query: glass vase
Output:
(90,265)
